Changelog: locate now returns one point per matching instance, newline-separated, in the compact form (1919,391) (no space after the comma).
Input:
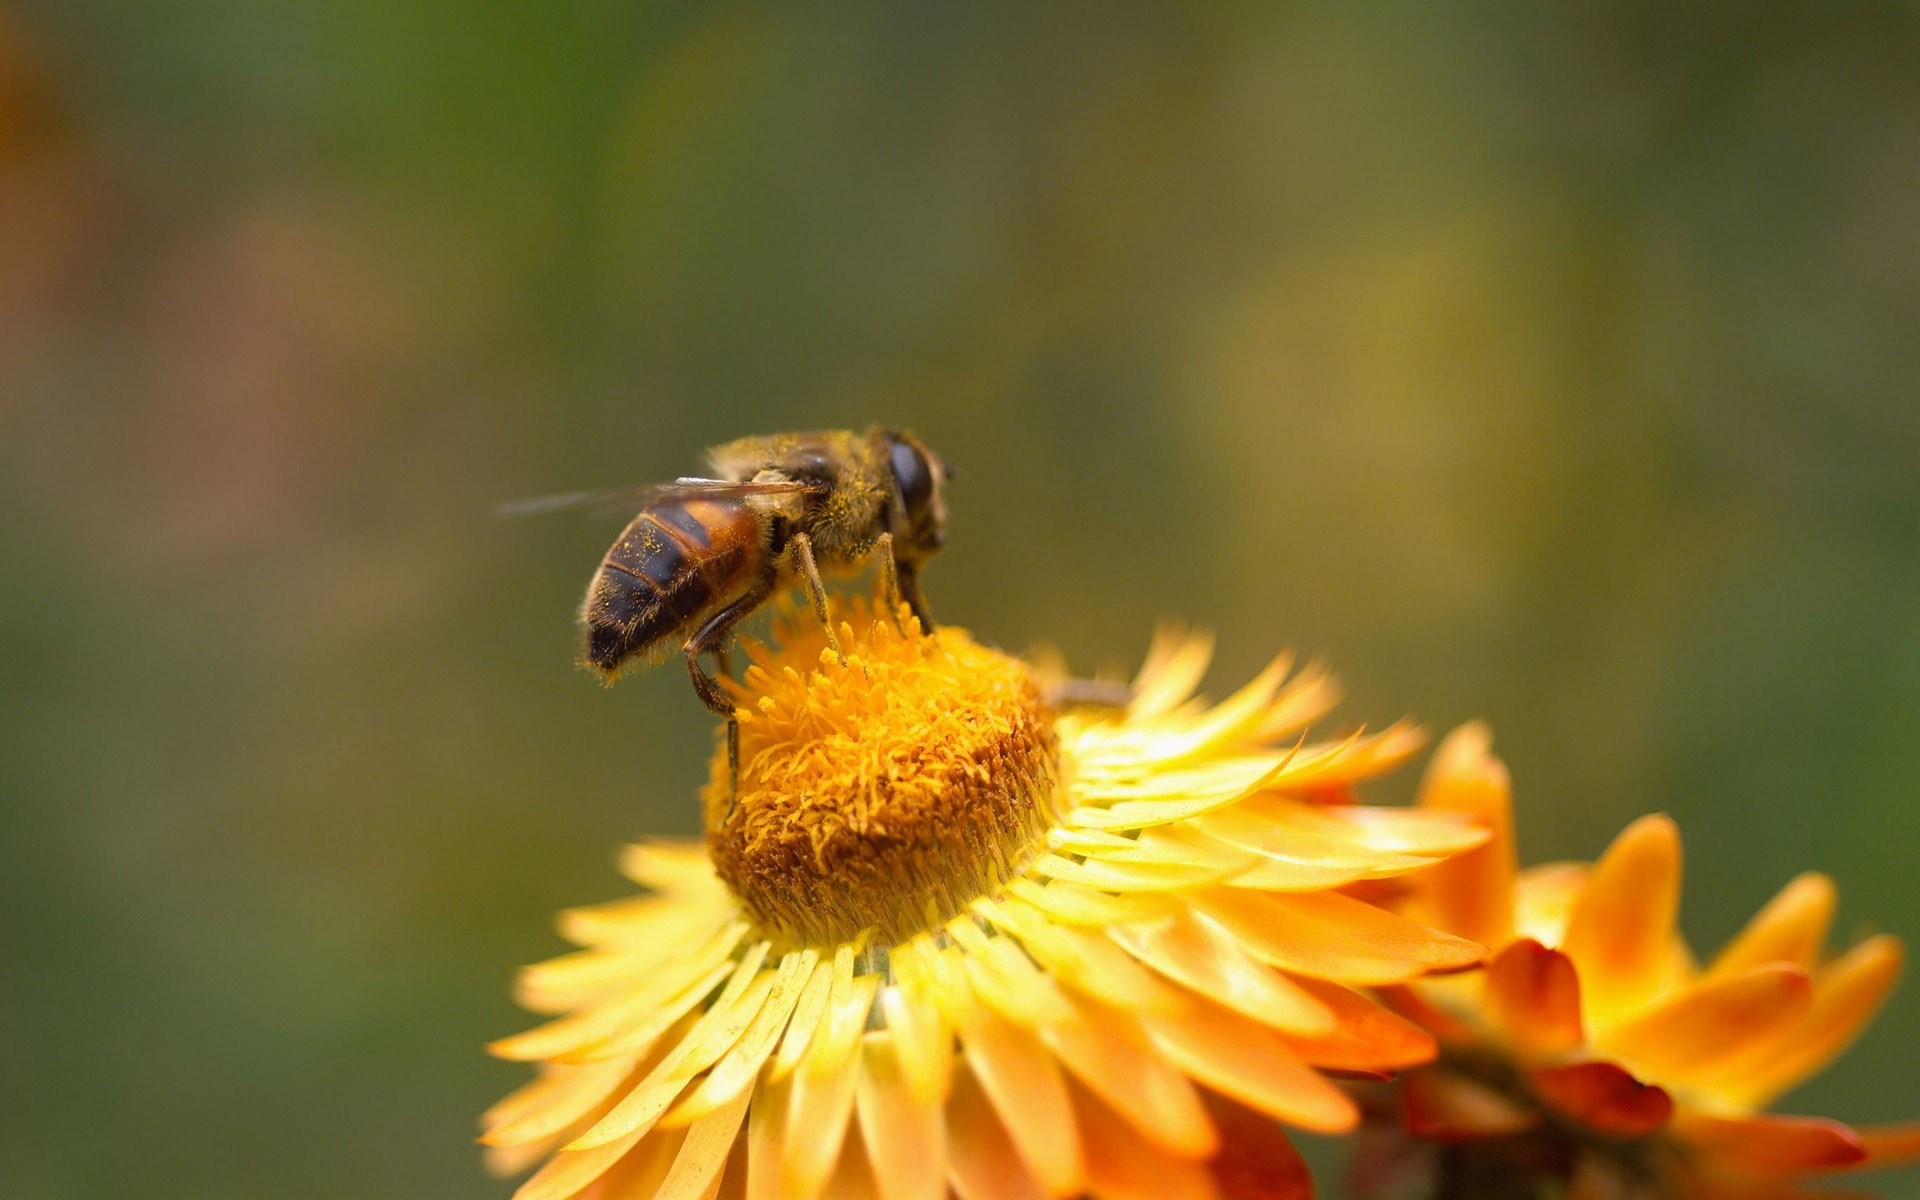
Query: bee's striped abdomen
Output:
(675,561)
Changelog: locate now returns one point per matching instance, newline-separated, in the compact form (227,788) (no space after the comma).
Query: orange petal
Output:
(1891,1145)
(1246,1061)
(1620,932)
(1015,1071)
(1206,959)
(1471,894)
(1414,1007)
(1699,1027)
(1330,936)
(1365,1036)
(1603,1096)
(815,1127)
(1846,994)
(1287,831)
(571,1170)
(1533,995)
(1790,928)
(1257,1161)
(1439,1105)
(766,1139)
(1766,1144)
(1109,1052)
(1124,1166)
(905,1136)
(985,1165)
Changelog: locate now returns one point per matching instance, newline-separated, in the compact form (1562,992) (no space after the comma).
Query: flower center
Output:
(886,790)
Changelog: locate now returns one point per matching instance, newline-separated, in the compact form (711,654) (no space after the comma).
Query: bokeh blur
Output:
(1554,364)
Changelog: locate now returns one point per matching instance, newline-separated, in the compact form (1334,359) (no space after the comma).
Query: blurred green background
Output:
(1553,364)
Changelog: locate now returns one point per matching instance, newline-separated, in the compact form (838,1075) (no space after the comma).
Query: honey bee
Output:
(704,554)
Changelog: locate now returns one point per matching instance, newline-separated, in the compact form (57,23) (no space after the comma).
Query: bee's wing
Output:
(640,497)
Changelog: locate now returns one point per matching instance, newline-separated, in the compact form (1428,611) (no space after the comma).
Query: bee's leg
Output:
(890,578)
(816,587)
(917,602)
(711,636)
(733,766)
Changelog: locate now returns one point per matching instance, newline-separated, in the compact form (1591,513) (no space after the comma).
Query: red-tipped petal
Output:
(1440,1106)
(1365,1036)
(1891,1145)
(1257,1161)
(1603,1096)
(1765,1144)
(1533,993)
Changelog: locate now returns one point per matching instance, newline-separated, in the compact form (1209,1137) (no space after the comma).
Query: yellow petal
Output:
(1081,959)
(1789,929)
(1132,877)
(670,866)
(634,1019)
(644,1030)
(711,1036)
(807,1013)
(573,981)
(1175,664)
(1071,904)
(936,974)
(904,1136)
(921,1042)
(1164,797)
(1306,698)
(1238,1058)
(1005,979)
(1620,933)
(734,1073)
(1014,1070)
(1423,831)
(564,1096)
(839,1035)
(1233,721)
(818,1112)
(1295,831)
(709,1141)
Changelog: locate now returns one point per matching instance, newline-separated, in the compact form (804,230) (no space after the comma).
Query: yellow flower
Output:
(1594,1046)
(947,935)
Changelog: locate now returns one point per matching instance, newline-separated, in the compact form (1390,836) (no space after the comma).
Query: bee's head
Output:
(920,528)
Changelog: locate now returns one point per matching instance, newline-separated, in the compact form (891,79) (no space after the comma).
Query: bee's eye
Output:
(915,477)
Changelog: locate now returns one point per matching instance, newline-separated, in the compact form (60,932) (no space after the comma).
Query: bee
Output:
(704,554)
